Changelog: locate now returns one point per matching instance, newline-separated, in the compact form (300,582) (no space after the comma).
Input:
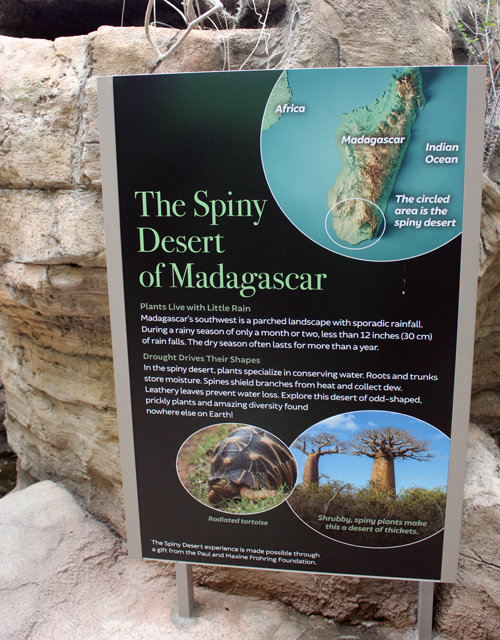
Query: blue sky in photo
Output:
(357,469)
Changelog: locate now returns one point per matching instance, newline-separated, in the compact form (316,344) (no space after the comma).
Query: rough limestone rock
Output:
(39,113)
(348,600)
(465,20)
(486,381)
(471,608)
(64,575)
(375,33)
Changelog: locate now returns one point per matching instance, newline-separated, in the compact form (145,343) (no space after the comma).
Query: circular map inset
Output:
(391,137)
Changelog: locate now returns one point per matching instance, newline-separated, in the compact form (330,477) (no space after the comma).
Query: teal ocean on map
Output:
(309,164)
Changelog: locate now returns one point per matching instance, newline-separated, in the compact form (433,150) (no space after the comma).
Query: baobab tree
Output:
(385,445)
(319,444)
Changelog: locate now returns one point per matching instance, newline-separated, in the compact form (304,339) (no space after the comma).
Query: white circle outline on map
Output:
(355,248)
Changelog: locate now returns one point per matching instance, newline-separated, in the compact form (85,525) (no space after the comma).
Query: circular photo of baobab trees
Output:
(372,478)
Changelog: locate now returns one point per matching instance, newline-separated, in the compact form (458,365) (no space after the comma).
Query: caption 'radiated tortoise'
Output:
(250,462)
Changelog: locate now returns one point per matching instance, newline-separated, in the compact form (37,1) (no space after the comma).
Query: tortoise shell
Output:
(254,458)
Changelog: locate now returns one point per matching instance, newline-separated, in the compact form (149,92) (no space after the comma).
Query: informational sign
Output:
(292,263)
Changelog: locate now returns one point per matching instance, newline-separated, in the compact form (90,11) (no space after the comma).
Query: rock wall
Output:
(56,361)
(485,407)
(471,608)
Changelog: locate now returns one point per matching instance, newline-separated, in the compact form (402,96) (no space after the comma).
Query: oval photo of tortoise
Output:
(237,468)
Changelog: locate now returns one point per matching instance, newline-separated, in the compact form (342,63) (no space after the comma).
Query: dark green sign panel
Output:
(290,254)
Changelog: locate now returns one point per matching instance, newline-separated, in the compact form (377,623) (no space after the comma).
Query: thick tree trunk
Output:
(383,476)
(311,469)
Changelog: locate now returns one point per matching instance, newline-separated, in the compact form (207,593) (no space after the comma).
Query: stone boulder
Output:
(471,608)
(485,407)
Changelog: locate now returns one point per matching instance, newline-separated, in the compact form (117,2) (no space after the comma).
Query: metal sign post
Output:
(425,610)
(185,591)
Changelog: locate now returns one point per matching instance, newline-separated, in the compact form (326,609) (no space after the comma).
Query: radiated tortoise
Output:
(250,462)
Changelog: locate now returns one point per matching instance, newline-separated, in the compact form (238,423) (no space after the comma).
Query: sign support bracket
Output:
(425,610)
(185,590)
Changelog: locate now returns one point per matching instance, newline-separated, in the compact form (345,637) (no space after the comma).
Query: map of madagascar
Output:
(372,142)
(338,144)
